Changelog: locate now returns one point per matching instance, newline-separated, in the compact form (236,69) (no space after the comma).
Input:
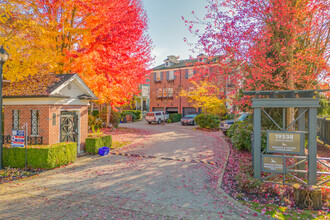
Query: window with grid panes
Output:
(15,125)
(170,92)
(34,122)
(160,92)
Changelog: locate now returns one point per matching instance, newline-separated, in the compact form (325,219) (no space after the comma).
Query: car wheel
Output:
(149,122)
(182,124)
(159,121)
(194,123)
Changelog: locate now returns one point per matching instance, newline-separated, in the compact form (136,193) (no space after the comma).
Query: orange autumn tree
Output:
(104,41)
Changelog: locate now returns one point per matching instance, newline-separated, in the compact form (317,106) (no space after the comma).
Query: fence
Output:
(323,130)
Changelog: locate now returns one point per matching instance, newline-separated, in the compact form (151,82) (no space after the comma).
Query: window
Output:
(158,76)
(190,74)
(15,125)
(170,75)
(160,92)
(165,92)
(170,92)
(34,122)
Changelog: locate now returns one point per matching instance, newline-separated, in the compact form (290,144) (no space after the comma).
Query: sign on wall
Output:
(17,138)
(273,164)
(284,142)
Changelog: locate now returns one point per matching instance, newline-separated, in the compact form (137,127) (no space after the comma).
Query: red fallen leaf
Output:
(255,214)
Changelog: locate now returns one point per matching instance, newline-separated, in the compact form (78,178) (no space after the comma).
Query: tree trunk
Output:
(108,115)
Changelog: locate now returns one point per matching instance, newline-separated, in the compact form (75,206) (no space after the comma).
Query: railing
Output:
(30,140)
(323,130)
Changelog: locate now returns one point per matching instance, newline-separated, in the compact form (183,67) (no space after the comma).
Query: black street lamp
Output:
(3,58)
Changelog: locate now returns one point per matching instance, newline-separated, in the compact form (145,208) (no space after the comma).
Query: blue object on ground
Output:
(104,151)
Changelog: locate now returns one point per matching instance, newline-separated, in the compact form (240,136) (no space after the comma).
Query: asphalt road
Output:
(124,187)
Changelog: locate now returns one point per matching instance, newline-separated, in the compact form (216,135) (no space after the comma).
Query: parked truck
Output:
(157,117)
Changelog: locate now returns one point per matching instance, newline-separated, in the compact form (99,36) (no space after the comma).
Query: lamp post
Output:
(3,58)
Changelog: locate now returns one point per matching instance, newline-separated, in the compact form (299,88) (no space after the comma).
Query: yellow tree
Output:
(24,40)
(205,96)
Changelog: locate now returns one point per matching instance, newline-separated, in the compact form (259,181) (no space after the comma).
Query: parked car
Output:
(225,125)
(189,119)
(156,117)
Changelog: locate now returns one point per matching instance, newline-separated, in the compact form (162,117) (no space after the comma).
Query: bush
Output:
(207,121)
(175,117)
(137,113)
(169,121)
(228,117)
(94,143)
(241,132)
(40,156)
(95,122)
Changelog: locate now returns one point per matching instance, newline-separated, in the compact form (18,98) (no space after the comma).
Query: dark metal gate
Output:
(69,126)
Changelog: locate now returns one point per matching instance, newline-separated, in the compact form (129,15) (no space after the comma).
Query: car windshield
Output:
(242,117)
(190,116)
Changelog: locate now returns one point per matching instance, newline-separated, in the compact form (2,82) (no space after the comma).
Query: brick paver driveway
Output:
(121,187)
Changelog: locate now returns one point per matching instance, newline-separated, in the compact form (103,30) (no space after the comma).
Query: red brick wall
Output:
(47,130)
(25,116)
(176,101)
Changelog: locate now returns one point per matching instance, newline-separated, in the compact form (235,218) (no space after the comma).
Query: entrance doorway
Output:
(69,126)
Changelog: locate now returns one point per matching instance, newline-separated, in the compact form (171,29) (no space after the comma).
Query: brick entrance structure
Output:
(44,109)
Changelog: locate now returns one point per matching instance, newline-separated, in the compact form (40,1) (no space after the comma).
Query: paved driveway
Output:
(121,187)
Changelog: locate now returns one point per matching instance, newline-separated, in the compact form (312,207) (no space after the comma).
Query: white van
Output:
(156,117)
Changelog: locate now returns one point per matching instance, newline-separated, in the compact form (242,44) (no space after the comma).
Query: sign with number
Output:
(273,164)
(284,142)
(17,138)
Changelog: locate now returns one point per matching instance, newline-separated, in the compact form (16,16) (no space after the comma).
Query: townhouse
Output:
(167,81)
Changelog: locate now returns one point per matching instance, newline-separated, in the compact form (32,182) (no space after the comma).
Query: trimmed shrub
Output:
(207,121)
(169,121)
(175,117)
(41,156)
(94,143)
(137,113)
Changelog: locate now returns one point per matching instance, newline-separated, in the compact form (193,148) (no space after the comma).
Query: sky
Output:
(167,30)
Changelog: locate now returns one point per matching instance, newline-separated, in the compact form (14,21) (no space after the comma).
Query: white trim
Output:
(44,101)
(82,85)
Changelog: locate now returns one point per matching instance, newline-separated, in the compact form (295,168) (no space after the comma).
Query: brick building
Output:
(168,79)
(54,107)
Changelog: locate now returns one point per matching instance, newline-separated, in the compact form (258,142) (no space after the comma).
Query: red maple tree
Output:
(276,44)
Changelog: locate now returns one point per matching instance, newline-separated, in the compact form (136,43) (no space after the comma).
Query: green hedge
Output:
(207,121)
(175,117)
(40,156)
(93,144)
(137,113)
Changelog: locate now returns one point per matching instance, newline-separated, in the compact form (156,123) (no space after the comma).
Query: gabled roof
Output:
(41,86)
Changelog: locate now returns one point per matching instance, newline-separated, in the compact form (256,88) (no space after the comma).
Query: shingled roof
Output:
(37,85)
